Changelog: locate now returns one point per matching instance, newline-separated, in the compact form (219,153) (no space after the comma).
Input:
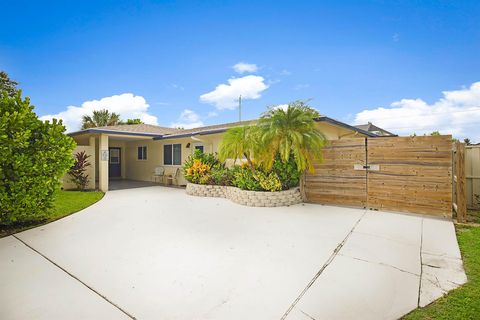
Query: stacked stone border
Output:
(245,197)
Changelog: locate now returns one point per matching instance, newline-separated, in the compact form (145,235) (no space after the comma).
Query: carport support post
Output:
(103,163)
(91,143)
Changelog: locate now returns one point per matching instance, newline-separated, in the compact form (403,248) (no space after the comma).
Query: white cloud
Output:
(284,107)
(225,95)
(188,119)
(127,105)
(243,67)
(456,113)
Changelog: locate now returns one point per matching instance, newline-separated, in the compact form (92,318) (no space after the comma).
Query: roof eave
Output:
(344,125)
(186,135)
(94,130)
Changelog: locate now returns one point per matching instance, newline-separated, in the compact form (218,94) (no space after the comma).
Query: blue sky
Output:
(349,57)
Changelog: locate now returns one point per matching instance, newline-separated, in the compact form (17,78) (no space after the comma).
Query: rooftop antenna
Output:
(240,108)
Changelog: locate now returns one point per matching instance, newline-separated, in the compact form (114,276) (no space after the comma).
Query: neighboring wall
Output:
(67,184)
(472,172)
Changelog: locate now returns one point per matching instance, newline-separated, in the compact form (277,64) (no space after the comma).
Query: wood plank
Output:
(461,183)
(335,181)
(415,174)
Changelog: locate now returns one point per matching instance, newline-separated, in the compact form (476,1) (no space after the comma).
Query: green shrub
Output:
(268,182)
(34,156)
(244,179)
(287,172)
(205,168)
(221,176)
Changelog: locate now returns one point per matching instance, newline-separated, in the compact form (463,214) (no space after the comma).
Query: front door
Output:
(114,163)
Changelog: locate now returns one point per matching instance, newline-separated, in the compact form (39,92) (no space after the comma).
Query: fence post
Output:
(461,183)
(302,186)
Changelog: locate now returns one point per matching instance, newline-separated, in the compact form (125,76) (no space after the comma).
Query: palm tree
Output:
(100,118)
(290,132)
(239,143)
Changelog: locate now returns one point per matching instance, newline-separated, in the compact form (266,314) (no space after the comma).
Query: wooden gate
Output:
(335,181)
(409,174)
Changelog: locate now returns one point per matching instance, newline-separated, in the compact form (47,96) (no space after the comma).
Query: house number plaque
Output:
(104,155)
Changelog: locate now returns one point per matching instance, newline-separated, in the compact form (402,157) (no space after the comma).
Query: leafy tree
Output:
(132,121)
(34,156)
(7,84)
(291,132)
(467,141)
(100,118)
(78,172)
(435,133)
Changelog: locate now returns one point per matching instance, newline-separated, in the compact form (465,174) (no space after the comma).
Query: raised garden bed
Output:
(246,197)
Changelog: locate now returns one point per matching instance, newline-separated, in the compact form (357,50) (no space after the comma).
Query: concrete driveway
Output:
(156,253)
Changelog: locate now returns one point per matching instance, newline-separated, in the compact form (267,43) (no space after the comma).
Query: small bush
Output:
(268,182)
(221,176)
(78,171)
(244,179)
(287,172)
(198,172)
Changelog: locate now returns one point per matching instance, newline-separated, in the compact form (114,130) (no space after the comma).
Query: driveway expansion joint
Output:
(327,263)
(75,278)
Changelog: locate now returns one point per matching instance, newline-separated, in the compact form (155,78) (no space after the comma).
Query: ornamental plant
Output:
(35,155)
(78,172)
(281,134)
(268,182)
(198,172)
(290,132)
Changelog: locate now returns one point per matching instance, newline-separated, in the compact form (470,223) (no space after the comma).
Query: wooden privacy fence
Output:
(409,174)
(459,182)
(472,172)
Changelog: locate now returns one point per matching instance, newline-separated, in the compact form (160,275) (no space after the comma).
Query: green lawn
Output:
(464,302)
(66,202)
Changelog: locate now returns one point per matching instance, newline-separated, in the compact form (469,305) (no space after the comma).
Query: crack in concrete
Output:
(443,255)
(75,277)
(325,265)
(306,314)
(380,263)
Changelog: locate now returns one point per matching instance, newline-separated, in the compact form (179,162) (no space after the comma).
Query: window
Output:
(114,156)
(142,153)
(199,148)
(172,154)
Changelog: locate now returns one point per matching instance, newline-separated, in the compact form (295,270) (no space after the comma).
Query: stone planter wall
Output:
(245,197)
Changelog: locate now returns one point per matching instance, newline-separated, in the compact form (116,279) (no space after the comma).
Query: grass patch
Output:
(66,203)
(464,302)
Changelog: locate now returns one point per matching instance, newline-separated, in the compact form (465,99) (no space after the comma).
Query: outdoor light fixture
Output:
(188,145)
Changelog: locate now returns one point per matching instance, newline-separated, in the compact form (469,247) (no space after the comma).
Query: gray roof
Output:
(160,133)
(131,129)
(370,127)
